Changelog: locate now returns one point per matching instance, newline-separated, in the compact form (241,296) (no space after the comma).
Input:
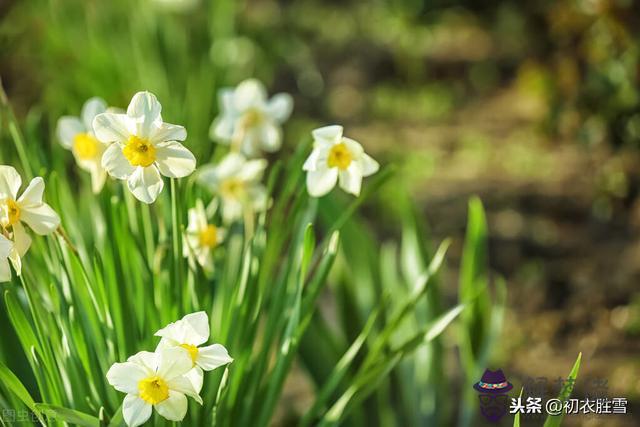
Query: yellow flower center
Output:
(85,146)
(10,212)
(251,118)
(139,151)
(153,390)
(339,157)
(209,236)
(193,351)
(232,188)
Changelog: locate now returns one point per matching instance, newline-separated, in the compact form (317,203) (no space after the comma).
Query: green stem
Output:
(176,226)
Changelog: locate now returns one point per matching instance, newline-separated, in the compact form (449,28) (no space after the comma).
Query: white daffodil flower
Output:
(76,134)
(336,158)
(154,380)
(28,208)
(143,147)
(201,238)
(237,181)
(248,120)
(189,333)
(6,250)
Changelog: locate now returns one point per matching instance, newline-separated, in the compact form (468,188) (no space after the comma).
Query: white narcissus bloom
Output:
(237,181)
(201,238)
(336,158)
(143,147)
(28,208)
(154,380)
(189,333)
(248,120)
(76,134)
(6,250)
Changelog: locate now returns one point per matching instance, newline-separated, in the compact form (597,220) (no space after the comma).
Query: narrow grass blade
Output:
(565,393)
(59,413)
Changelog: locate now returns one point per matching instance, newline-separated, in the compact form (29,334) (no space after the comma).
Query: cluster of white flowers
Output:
(164,378)
(251,123)
(136,146)
(15,211)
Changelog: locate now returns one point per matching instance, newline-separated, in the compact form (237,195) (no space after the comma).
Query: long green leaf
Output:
(565,393)
(58,413)
(11,382)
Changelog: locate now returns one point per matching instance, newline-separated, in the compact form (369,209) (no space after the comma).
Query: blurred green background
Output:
(533,106)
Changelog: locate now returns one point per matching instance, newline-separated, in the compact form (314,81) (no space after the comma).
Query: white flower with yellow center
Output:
(76,134)
(249,121)
(336,158)
(6,251)
(28,208)
(143,147)
(189,333)
(154,380)
(237,181)
(201,238)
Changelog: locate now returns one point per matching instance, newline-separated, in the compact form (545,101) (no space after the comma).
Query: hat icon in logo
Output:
(493,388)
(493,382)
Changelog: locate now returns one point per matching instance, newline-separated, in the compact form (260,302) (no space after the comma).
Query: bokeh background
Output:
(533,106)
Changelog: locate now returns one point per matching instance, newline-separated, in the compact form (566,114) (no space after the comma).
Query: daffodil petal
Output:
(41,219)
(5,270)
(145,184)
(32,195)
(145,110)
(252,170)
(280,106)
(98,177)
(312,161)
(147,360)
(125,376)
(351,179)
(135,411)
(114,162)
(22,240)
(250,93)
(212,357)
(173,408)
(198,331)
(231,210)
(167,132)
(225,99)
(368,165)
(67,129)
(10,182)
(270,137)
(91,109)
(196,376)
(321,181)
(5,247)
(222,129)
(327,135)
(16,261)
(110,127)
(198,216)
(174,160)
(185,385)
